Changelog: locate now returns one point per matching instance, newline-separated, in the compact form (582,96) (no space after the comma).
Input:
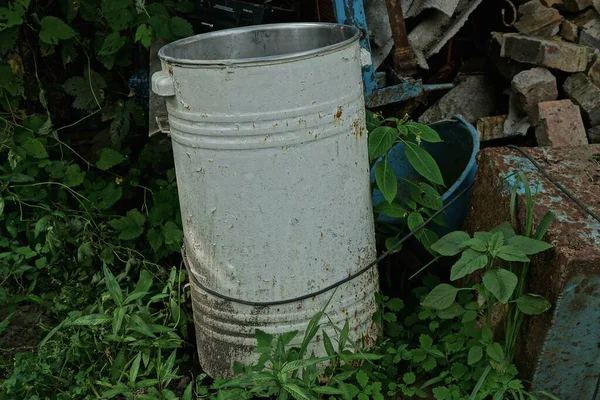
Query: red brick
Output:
(537,19)
(568,57)
(560,124)
(586,95)
(532,87)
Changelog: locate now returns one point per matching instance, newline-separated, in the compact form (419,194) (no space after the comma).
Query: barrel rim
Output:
(259,60)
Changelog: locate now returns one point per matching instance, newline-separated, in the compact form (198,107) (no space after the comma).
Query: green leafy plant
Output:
(409,201)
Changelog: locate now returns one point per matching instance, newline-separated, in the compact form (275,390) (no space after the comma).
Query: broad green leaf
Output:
(143,34)
(441,297)
(135,367)
(528,246)
(511,253)
(328,345)
(54,29)
(381,140)
(425,132)
(476,244)
(141,288)
(130,226)
(414,220)
(302,363)
(118,13)
(496,241)
(264,341)
(42,225)
(532,304)
(85,254)
(428,238)
(112,43)
(469,262)
(35,148)
(362,378)
(495,352)
(506,229)
(442,393)
(386,180)
(371,121)
(475,354)
(112,286)
(90,320)
(458,370)
(425,341)
(409,378)
(455,310)
(74,176)
(327,390)
(108,158)
(393,210)
(451,244)
(501,283)
(392,243)
(423,163)
(180,27)
(425,195)
(155,238)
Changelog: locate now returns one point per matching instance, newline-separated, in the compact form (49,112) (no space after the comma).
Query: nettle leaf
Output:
(511,253)
(386,180)
(173,236)
(501,283)
(381,140)
(35,148)
(451,244)
(143,34)
(529,246)
(130,226)
(111,44)
(54,29)
(155,238)
(393,210)
(86,89)
(532,304)
(469,262)
(425,132)
(108,158)
(423,163)
(180,27)
(441,297)
(496,241)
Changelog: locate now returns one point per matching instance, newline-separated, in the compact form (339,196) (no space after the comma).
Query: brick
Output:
(594,134)
(537,19)
(581,19)
(552,3)
(590,34)
(491,128)
(594,72)
(586,95)
(560,124)
(558,350)
(532,87)
(569,31)
(506,67)
(577,5)
(568,57)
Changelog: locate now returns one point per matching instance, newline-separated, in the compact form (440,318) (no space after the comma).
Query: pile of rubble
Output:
(552,60)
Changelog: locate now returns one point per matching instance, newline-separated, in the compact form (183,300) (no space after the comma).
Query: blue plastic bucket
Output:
(456,158)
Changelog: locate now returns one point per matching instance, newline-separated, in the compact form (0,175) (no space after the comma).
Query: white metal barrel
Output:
(270,150)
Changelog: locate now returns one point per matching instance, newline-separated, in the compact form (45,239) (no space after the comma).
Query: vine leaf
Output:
(143,34)
(112,43)
(386,180)
(86,89)
(54,29)
(423,163)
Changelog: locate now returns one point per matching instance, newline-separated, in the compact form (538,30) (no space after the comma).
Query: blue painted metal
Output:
(352,12)
(569,365)
(455,157)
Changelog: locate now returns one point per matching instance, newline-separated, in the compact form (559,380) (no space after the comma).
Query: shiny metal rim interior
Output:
(259,44)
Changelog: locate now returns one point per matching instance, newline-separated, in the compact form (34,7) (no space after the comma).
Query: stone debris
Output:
(594,134)
(532,87)
(594,72)
(560,124)
(569,31)
(586,95)
(491,128)
(577,5)
(538,20)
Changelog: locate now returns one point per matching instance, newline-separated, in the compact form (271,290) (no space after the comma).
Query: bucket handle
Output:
(163,84)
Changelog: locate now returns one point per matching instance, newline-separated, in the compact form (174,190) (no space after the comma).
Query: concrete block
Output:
(532,87)
(475,97)
(577,5)
(560,124)
(569,31)
(537,19)
(568,57)
(594,134)
(558,350)
(586,95)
